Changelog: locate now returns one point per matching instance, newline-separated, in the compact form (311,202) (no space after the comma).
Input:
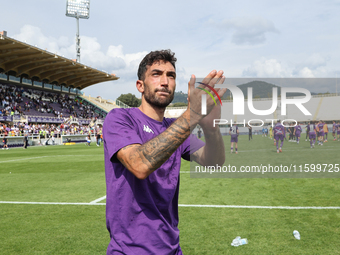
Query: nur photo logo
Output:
(204,97)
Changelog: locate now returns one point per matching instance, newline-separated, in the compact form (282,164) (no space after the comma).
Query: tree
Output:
(129,99)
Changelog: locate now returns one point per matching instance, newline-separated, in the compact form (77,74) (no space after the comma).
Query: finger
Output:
(221,80)
(221,92)
(209,83)
(208,78)
(191,86)
(216,78)
(192,83)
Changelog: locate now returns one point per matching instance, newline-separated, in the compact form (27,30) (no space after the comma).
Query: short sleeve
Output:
(119,130)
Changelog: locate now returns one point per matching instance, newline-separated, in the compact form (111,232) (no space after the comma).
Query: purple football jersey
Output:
(312,129)
(141,215)
(279,129)
(279,132)
(320,126)
(298,130)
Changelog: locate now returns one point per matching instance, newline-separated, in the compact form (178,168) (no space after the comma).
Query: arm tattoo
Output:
(195,112)
(156,151)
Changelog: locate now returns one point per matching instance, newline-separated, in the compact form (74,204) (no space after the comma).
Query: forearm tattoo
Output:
(156,151)
(195,111)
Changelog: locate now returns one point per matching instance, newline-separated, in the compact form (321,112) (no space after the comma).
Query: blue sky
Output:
(244,38)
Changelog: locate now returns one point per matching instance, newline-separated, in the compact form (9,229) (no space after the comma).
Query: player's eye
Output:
(171,74)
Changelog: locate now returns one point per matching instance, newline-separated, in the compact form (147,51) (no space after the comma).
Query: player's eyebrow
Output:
(162,71)
(157,70)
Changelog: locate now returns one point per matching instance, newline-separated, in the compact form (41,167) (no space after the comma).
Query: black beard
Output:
(152,99)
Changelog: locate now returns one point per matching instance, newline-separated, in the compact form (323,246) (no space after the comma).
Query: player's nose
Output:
(164,80)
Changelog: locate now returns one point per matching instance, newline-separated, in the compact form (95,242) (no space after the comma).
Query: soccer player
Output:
(143,152)
(233,132)
(321,132)
(338,130)
(297,132)
(271,132)
(4,140)
(291,132)
(287,133)
(25,140)
(307,131)
(98,137)
(250,134)
(279,134)
(312,134)
(334,130)
(325,129)
(88,140)
(199,133)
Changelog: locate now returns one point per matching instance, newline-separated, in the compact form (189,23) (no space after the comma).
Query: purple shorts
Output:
(312,136)
(297,134)
(234,139)
(279,137)
(338,132)
(321,134)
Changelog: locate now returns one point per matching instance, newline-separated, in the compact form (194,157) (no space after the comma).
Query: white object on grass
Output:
(238,241)
(296,234)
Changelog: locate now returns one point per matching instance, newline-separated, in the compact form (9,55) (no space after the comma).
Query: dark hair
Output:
(155,56)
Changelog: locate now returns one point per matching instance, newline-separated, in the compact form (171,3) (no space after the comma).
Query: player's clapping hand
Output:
(195,98)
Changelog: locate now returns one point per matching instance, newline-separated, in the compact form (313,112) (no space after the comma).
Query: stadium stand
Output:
(40,94)
(30,102)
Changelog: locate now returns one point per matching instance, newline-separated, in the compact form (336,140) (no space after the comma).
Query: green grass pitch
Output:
(75,174)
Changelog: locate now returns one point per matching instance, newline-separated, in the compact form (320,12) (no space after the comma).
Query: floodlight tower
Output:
(79,9)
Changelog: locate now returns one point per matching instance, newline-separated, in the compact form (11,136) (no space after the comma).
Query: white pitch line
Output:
(48,203)
(41,157)
(98,200)
(307,148)
(23,159)
(197,206)
(264,207)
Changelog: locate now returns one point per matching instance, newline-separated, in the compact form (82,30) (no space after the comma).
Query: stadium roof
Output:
(24,60)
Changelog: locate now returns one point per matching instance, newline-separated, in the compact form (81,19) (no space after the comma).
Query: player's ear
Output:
(140,86)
